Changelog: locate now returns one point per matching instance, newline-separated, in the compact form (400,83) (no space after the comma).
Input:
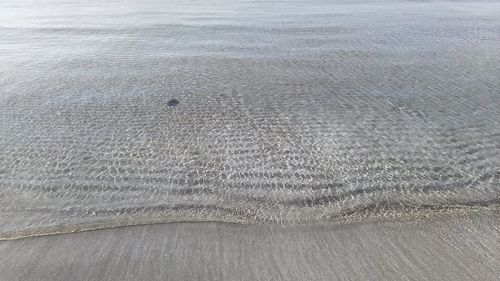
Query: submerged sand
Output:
(443,247)
(288,111)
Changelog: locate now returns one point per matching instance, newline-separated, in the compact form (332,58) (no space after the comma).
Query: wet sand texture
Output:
(444,248)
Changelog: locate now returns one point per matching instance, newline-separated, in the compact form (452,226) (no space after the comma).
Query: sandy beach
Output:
(290,140)
(444,247)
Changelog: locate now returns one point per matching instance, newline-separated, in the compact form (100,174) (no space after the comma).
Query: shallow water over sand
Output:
(286,111)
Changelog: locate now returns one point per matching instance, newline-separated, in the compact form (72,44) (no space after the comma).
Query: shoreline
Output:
(390,215)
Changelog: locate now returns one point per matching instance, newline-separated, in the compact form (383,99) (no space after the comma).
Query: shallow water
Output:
(295,111)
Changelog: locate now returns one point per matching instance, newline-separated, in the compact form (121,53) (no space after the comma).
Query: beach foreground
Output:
(444,247)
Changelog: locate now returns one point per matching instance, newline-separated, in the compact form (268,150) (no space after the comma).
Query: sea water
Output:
(128,112)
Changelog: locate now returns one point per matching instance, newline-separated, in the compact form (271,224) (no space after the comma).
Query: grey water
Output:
(128,112)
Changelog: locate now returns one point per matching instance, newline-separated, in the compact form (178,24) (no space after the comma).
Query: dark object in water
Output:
(173,102)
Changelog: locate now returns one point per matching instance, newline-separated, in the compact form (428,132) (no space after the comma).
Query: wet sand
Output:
(440,248)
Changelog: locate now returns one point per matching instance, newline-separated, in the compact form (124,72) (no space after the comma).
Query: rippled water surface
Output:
(124,112)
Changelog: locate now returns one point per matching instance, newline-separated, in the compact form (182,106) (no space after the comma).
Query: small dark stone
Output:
(173,102)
